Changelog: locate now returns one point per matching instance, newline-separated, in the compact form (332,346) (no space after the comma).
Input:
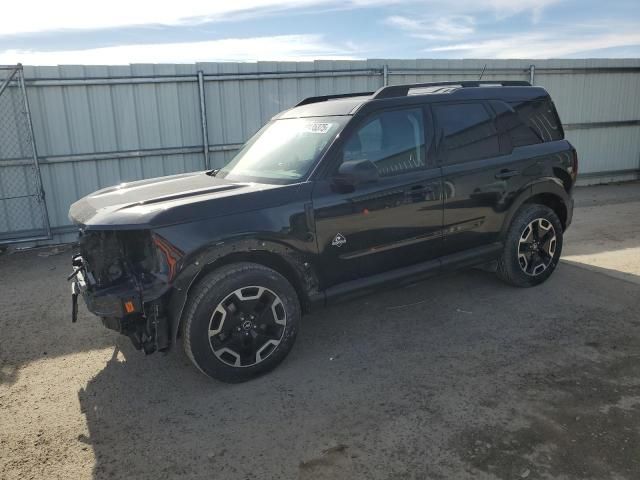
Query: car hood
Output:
(170,200)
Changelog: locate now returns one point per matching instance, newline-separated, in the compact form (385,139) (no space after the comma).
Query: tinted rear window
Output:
(540,115)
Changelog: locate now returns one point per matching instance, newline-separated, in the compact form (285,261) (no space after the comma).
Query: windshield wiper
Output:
(214,172)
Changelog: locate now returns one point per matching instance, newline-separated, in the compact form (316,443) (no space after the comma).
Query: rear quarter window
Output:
(541,117)
(513,131)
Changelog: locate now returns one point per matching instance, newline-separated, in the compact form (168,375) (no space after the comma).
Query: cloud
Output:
(476,33)
(507,8)
(456,20)
(442,27)
(540,45)
(282,47)
(50,15)
(72,31)
(405,23)
(457,16)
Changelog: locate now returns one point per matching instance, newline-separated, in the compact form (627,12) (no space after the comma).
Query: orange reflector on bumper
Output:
(128,306)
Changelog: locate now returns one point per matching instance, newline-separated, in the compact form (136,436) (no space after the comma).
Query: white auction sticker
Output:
(317,127)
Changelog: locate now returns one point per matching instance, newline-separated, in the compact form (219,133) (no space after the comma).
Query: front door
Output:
(393,222)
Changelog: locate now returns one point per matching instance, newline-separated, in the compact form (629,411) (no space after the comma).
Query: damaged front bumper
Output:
(114,301)
(128,307)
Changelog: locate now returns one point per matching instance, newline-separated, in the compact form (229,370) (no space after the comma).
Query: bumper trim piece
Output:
(74,302)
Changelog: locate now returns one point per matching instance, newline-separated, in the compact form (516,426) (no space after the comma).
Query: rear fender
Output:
(547,185)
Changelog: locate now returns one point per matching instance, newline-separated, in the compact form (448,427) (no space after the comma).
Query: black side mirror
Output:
(353,173)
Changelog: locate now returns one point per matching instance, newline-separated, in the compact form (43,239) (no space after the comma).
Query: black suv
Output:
(336,196)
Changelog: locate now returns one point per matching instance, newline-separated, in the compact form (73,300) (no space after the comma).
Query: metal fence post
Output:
(385,75)
(532,73)
(34,152)
(203,118)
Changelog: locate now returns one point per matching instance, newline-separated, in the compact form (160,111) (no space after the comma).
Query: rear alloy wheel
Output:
(537,246)
(241,321)
(532,247)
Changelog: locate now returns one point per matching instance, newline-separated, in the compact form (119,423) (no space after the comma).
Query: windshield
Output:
(283,151)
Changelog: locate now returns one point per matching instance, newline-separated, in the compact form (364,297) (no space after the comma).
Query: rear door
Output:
(387,224)
(481,173)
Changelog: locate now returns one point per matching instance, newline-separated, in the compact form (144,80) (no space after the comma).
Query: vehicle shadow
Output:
(389,385)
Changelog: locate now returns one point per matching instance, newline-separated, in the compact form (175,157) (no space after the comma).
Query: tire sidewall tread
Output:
(212,289)
(509,269)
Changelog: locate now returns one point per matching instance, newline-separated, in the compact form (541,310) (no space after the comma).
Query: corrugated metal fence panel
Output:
(236,108)
(591,95)
(83,119)
(584,96)
(151,127)
(448,70)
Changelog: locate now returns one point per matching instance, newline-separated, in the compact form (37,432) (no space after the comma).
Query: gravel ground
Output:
(457,377)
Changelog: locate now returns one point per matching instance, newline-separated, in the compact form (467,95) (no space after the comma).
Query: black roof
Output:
(342,106)
(348,104)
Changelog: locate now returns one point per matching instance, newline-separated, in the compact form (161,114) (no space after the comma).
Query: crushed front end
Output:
(125,277)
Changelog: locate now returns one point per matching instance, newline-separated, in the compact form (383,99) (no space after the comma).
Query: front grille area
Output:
(103,256)
(113,257)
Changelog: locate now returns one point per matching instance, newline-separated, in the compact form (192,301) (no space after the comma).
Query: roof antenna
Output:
(483,69)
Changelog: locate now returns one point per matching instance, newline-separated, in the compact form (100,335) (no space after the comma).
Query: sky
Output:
(111,32)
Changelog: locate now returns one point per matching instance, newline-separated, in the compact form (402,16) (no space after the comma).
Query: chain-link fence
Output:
(23,214)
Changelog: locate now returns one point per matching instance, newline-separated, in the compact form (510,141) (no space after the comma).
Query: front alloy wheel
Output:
(247,326)
(240,321)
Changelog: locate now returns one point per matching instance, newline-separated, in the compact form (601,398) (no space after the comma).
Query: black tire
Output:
(522,263)
(223,301)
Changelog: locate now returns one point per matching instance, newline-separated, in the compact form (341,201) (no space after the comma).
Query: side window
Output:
(392,140)
(541,117)
(513,132)
(467,131)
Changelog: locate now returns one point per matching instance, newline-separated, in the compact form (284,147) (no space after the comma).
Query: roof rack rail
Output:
(391,91)
(324,98)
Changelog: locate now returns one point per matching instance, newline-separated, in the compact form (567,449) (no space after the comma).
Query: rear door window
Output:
(467,131)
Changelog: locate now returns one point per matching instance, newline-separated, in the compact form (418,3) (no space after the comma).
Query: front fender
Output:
(264,251)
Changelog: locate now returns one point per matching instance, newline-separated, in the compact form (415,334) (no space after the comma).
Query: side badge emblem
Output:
(338,240)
